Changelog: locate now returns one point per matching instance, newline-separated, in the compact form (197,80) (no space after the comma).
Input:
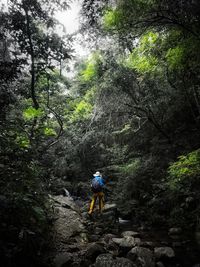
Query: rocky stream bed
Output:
(104,240)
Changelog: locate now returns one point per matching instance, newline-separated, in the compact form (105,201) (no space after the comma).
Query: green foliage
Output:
(130,167)
(184,173)
(119,17)
(149,41)
(91,69)
(82,111)
(112,18)
(89,72)
(32,113)
(144,58)
(175,57)
(23,141)
(142,63)
(49,131)
(90,95)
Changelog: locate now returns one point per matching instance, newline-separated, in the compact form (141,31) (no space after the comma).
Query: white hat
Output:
(97,174)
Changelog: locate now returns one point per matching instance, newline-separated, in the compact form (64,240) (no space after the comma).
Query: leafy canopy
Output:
(185,170)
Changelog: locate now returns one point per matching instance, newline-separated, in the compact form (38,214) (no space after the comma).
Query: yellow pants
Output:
(100,196)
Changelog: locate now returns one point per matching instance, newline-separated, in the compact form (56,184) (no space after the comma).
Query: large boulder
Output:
(94,250)
(143,257)
(68,223)
(107,260)
(65,202)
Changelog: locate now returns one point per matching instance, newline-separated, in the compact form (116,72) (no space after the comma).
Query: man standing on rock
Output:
(97,187)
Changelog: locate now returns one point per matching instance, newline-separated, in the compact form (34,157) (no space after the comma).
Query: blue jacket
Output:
(100,180)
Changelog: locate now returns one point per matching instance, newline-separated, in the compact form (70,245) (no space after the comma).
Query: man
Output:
(97,187)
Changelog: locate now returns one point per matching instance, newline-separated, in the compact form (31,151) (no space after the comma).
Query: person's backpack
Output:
(96,187)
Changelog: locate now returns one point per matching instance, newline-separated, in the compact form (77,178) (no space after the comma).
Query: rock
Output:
(164,252)
(113,249)
(93,251)
(73,248)
(108,238)
(63,260)
(117,240)
(175,237)
(177,244)
(109,216)
(164,243)
(68,230)
(128,242)
(125,242)
(109,207)
(110,246)
(98,231)
(159,264)
(130,233)
(65,202)
(175,231)
(106,260)
(94,238)
(147,244)
(189,199)
(68,224)
(143,257)
(82,238)
(137,241)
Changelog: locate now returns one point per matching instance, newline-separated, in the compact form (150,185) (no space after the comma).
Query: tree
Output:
(30,123)
(153,67)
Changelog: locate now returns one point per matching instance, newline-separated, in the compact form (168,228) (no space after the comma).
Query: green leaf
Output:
(31,113)
(175,57)
(112,18)
(49,131)
(22,141)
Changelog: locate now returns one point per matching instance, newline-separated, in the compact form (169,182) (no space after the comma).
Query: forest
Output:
(131,110)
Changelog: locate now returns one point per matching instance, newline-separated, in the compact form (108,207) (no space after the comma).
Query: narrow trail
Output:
(104,241)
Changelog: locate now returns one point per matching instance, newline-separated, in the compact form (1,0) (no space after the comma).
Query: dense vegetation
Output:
(132,110)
